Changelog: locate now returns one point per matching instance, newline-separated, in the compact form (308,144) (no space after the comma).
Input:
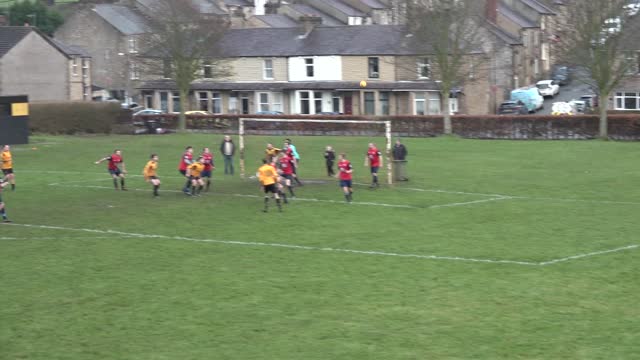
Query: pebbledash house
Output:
(359,70)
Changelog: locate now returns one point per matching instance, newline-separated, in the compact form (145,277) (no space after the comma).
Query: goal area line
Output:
(387,135)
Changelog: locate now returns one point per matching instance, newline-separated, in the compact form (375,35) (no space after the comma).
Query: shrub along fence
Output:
(92,117)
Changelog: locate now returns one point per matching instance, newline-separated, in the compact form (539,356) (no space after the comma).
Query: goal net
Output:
(311,127)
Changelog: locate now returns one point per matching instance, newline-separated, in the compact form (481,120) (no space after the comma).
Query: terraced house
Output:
(321,70)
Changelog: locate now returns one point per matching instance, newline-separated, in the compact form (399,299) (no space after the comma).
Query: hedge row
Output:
(92,117)
(76,117)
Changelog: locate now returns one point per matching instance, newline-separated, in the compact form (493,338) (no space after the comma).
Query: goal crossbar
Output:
(386,123)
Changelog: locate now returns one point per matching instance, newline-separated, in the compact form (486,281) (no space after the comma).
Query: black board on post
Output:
(14,120)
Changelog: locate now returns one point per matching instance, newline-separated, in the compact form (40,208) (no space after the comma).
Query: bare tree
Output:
(180,43)
(451,30)
(594,40)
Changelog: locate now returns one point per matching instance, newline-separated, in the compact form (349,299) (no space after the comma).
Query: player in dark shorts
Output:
(345,171)
(268,176)
(115,162)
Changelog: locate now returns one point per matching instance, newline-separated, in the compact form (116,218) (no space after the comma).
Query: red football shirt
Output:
(344,166)
(286,165)
(207,160)
(114,161)
(374,157)
(187,159)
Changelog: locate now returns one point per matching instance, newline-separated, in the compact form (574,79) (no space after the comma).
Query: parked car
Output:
(590,99)
(632,9)
(198,112)
(269,113)
(548,88)
(511,107)
(581,106)
(613,25)
(148,112)
(561,74)
(563,108)
(530,97)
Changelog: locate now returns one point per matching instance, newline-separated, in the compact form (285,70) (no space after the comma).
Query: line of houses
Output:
(298,57)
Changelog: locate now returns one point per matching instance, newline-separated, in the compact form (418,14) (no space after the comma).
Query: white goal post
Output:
(387,135)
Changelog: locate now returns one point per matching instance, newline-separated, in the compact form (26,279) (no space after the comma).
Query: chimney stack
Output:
(491,10)
(309,22)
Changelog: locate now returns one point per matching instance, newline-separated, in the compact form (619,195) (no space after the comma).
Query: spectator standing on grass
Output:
(7,166)
(293,153)
(374,160)
(228,149)
(207,160)
(346,174)
(3,212)
(150,173)
(268,176)
(329,157)
(185,161)
(115,162)
(399,151)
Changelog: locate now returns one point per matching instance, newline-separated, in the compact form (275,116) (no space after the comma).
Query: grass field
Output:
(492,250)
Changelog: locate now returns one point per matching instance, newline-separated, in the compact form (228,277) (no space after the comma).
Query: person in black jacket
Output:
(399,151)
(228,149)
(329,157)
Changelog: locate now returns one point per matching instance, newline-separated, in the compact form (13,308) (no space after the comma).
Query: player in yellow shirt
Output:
(194,172)
(268,176)
(7,166)
(151,175)
(270,153)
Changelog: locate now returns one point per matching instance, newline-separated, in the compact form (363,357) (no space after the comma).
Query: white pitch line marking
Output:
(288,246)
(328,249)
(595,253)
(469,202)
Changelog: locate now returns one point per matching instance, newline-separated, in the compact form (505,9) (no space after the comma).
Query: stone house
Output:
(33,64)
(111,35)
(360,70)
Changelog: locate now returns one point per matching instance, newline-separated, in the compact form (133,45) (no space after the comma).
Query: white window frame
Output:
(207,67)
(424,64)
(262,104)
(134,71)
(419,98)
(371,74)
(621,97)
(203,98)
(267,73)
(454,107)
(132,45)
(277,101)
(216,102)
(309,66)
(74,66)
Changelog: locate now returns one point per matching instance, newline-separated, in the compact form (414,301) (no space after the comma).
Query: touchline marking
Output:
(288,246)
(328,249)
(470,202)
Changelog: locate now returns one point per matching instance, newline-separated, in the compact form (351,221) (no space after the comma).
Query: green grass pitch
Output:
(492,250)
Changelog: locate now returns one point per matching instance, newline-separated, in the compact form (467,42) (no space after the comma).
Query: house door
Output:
(148,101)
(244,99)
(348,105)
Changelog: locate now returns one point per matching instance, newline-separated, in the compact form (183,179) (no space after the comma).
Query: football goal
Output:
(311,127)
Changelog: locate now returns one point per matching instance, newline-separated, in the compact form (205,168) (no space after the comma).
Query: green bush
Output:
(76,117)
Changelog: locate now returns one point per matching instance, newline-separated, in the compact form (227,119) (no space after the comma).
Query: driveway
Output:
(567,93)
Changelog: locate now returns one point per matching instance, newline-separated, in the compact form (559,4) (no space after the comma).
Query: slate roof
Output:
(344,8)
(238,3)
(322,41)
(122,18)
(10,36)
(276,20)
(502,35)
(208,7)
(539,7)
(374,4)
(327,20)
(71,49)
(296,85)
(515,17)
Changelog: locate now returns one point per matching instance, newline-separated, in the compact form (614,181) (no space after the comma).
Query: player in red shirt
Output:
(286,164)
(115,162)
(185,161)
(346,174)
(207,160)
(374,159)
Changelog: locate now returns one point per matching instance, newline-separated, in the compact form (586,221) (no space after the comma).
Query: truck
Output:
(530,97)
